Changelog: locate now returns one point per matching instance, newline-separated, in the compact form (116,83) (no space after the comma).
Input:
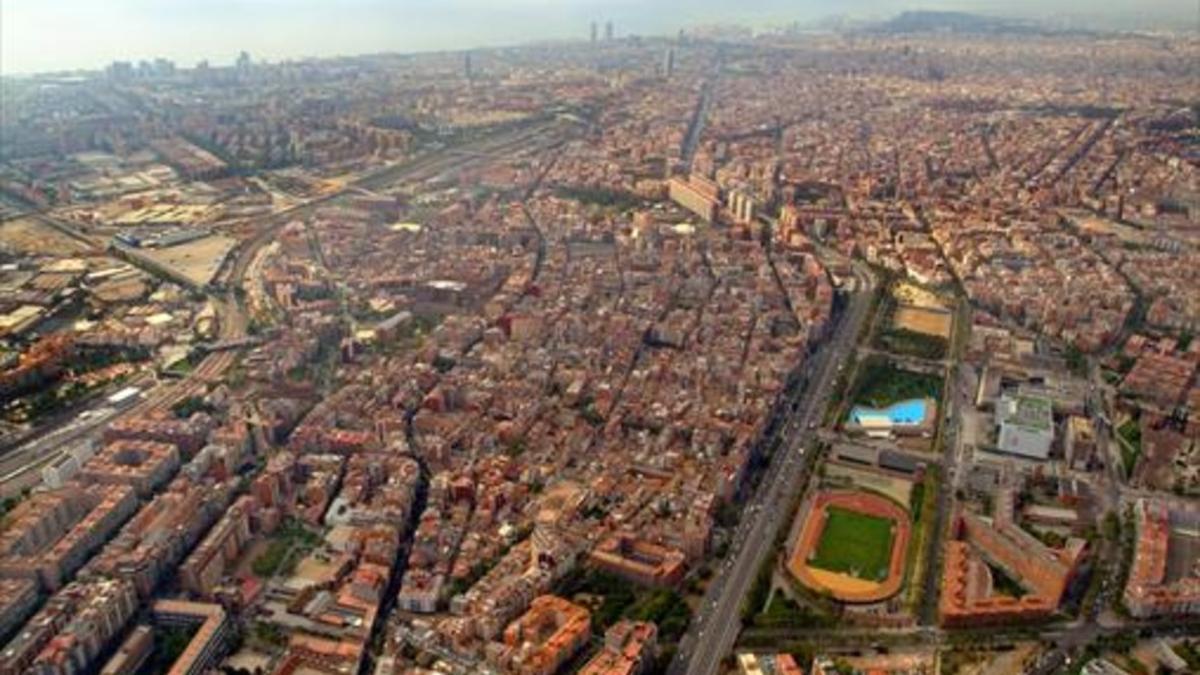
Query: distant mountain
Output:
(835,22)
(923,21)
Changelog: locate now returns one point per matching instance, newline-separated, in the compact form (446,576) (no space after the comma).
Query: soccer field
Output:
(854,543)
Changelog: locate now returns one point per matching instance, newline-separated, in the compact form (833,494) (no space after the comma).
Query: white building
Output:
(1026,425)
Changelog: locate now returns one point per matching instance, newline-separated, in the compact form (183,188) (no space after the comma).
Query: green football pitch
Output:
(854,543)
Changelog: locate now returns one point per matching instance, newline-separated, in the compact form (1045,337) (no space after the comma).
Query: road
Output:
(715,629)
(1064,636)
(20,468)
(959,385)
(691,139)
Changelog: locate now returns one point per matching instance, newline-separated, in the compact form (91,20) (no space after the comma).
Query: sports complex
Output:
(852,545)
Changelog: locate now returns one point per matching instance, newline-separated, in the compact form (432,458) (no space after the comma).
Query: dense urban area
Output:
(857,351)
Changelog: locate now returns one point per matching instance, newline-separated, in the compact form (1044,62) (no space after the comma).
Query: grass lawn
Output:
(854,543)
(783,612)
(292,538)
(881,383)
(616,595)
(912,343)
(184,367)
(922,506)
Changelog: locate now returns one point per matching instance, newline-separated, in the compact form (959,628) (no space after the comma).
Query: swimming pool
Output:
(904,413)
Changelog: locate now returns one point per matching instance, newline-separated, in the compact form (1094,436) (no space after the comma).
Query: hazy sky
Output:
(41,35)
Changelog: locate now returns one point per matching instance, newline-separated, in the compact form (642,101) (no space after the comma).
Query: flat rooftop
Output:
(1032,412)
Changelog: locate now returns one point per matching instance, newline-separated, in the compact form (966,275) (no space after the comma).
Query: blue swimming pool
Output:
(905,413)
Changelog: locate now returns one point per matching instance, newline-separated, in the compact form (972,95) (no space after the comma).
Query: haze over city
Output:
(40,36)
(599,338)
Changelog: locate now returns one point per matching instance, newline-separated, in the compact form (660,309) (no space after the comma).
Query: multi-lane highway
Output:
(715,629)
(691,139)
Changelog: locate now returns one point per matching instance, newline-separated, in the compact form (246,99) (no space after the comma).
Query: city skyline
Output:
(88,36)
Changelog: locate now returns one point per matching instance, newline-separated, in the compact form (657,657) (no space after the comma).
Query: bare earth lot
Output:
(926,321)
(26,235)
(198,260)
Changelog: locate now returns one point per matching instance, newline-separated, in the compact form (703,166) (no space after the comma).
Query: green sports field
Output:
(854,543)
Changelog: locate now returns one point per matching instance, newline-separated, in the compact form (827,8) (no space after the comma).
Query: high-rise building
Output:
(741,205)
(668,66)
(164,67)
(608,31)
(595,32)
(120,70)
(243,62)
(467,65)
